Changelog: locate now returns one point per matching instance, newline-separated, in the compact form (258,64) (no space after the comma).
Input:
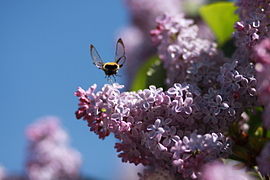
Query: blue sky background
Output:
(44,57)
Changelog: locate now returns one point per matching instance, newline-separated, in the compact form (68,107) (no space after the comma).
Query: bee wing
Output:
(96,57)
(120,56)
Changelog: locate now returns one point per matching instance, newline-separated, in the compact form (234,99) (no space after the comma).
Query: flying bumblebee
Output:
(110,68)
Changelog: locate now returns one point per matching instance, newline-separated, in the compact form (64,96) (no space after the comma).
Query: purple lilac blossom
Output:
(264,160)
(253,25)
(154,127)
(182,51)
(49,155)
(250,30)
(263,76)
(226,88)
(220,171)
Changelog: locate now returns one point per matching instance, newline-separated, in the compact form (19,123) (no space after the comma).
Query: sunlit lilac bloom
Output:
(49,155)
(183,53)
(190,154)
(149,124)
(227,88)
(264,160)
(252,27)
(253,23)
(220,171)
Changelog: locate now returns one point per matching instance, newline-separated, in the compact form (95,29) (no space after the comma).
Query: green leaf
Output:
(150,73)
(255,121)
(156,75)
(220,17)
(268,133)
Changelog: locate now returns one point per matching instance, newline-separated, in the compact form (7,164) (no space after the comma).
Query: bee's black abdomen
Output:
(111,67)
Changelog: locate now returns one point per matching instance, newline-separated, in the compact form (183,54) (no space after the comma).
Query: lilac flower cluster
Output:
(155,127)
(250,30)
(262,52)
(226,88)
(253,25)
(49,155)
(182,51)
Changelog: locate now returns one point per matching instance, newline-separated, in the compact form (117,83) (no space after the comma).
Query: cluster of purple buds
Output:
(154,127)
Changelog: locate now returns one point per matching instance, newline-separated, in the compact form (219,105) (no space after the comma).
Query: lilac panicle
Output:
(151,123)
(251,35)
(251,29)
(220,171)
(226,88)
(49,155)
(182,51)
(253,25)
(191,153)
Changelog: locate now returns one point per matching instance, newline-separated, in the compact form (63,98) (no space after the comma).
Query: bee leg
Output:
(110,80)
